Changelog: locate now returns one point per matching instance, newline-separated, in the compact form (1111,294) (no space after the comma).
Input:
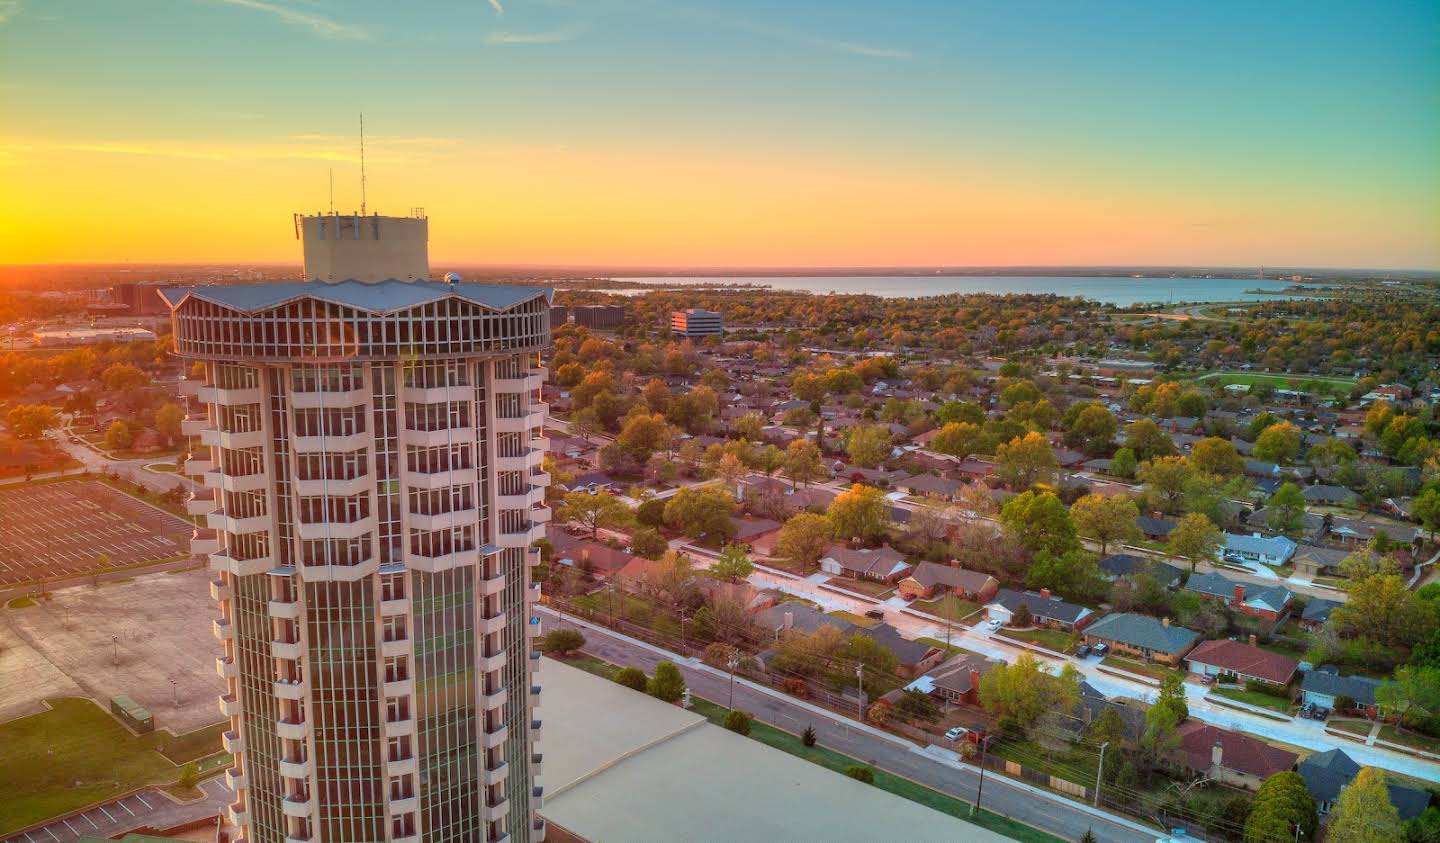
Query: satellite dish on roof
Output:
(452,278)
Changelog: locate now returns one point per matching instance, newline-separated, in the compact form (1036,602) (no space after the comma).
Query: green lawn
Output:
(889,782)
(1052,639)
(590,664)
(1254,698)
(1410,739)
(954,608)
(867,587)
(1354,727)
(76,754)
(1074,765)
(1336,386)
(1152,670)
(939,643)
(851,617)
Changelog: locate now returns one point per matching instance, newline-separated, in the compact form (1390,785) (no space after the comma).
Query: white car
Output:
(995,624)
(956,733)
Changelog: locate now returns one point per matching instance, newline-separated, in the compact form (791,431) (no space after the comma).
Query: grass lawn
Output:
(1410,739)
(162,467)
(955,608)
(1336,386)
(868,587)
(954,650)
(851,617)
(1053,639)
(200,743)
(889,782)
(1254,698)
(590,664)
(76,754)
(1354,727)
(1154,671)
(1073,765)
(20,603)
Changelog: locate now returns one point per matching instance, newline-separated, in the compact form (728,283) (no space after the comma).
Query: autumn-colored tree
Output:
(1026,461)
(804,538)
(1195,538)
(1106,519)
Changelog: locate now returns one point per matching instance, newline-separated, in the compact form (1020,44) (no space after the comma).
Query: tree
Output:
(651,512)
(1106,519)
(734,563)
(167,421)
(585,424)
(1023,462)
(702,512)
(656,395)
(1091,426)
(1426,510)
(959,411)
(1285,510)
(189,776)
(119,436)
(1413,694)
(960,439)
(1282,805)
(29,421)
(860,512)
(1021,618)
(668,683)
(1073,574)
(1214,455)
(1147,440)
(1165,479)
(868,445)
(1364,813)
(803,463)
(1021,692)
(648,542)
(594,511)
(917,707)
(643,435)
(1123,464)
(730,469)
(1383,608)
(808,736)
(633,678)
(1279,443)
(738,721)
(804,538)
(1171,699)
(563,641)
(861,773)
(1088,836)
(1039,521)
(122,377)
(1196,538)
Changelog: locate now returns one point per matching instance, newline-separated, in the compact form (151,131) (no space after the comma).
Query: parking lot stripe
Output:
(122,804)
(143,802)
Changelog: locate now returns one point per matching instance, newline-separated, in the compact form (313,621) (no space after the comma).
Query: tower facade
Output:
(350,247)
(371,460)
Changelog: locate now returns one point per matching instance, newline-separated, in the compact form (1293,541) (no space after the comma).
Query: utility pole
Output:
(860,698)
(175,693)
(1098,770)
(115,649)
(732,662)
(980,789)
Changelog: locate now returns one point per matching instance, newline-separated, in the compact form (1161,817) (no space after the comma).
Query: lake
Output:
(1122,291)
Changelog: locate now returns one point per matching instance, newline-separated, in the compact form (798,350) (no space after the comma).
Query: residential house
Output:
(1246,662)
(1262,470)
(1230,757)
(758,534)
(1321,688)
(1154,527)
(1045,609)
(593,482)
(1312,525)
(912,657)
(928,484)
(783,617)
(1354,532)
(595,558)
(1268,550)
(1268,602)
(883,564)
(957,681)
(1330,495)
(1312,560)
(1327,773)
(929,578)
(1317,613)
(1123,566)
(1142,637)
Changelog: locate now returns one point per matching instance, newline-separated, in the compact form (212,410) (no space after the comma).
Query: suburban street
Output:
(936,768)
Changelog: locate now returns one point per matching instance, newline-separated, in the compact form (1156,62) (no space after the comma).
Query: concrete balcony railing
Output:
(236,780)
(232,742)
(540,478)
(237,482)
(194,425)
(541,514)
(299,770)
(238,814)
(223,561)
(442,562)
(538,829)
(494,776)
(396,647)
(495,624)
(214,438)
(490,586)
(398,606)
(237,526)
(399,728)
(297,806)
(226,667)
(536,761)
(198,467)
(357,397)
(189,387)
(528,383)
(336,529)
(399,687)
(336,444)
(521,538)
(202,502)
(230,397)
(436,394)
(204,542)
(498,811)
(490,664)
(293,730)
(441,520)
(347,487)
(283,609)
(291,650)
(291,689)
(492,739)
(440,479)
(492,701)
(219,591)
(519,424)
(223,629)
(229,705)
(531,459)
(404,804)
(437,438)
(524,500)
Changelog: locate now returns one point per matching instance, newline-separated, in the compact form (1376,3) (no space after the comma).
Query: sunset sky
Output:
(803,132)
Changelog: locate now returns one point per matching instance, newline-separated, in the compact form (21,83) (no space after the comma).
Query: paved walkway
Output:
(1053,813)
(150,807)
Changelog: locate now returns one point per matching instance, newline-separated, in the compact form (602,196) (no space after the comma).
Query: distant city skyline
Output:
(659,133)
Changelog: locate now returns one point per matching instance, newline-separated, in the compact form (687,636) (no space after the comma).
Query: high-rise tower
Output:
(371,456)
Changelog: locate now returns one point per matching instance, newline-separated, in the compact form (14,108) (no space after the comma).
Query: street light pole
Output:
(1099,769)
(175,693)
(733,662)
(115,649)
(860,685)
(980,789)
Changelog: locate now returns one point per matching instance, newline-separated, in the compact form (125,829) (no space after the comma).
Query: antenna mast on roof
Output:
(362,163)
(332,191)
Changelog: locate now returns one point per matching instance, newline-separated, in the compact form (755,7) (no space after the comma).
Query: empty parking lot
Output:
(58,529)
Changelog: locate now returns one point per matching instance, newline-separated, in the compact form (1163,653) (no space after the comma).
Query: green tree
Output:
(1364,813)
(648,542)
(804,538)
(1282,805)
(917,707)
(868,445)
(563,641)
(1413,694)
(1025,461)
(189,776)
(1147,440)
(594,512)
(1123,463)
(738,721)
(1383,608)
(119,436)
(1214,455)
(1091,426)
(1426,510)
(668,683)
(1279,443)
(860,512)
(1165,479)
(1195,538)
(1106,519)
(1039,521)
(123,377)
(734,563)
(702,512)
(1021,692)
(1073,574)
(803,463)
(960,439)
(643,435)
(959,411)
(633,678)
(1285,510)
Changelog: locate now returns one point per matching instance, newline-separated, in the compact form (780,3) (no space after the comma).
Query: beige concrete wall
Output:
(369,249)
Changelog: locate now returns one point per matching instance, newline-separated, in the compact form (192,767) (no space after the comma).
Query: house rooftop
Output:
(1142,631)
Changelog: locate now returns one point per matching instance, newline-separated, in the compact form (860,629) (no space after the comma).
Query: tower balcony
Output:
(498,811)
(495,737)
(541,514)
(440,479)
(219,591)
(336,529)
(223,629)
(215,437)
(531,459)
(254,482)
(294,730)
(229,705)
(442,562)
(490,702)
(358,397)
(300,770)
(291,650)
(190,387)
(497,774)
(490,586)
(519,424)
(438,438)
(230,397)
(351,486)
(198,466)
(202,502)
(194,425)
(528,383)
(521,538)
(494,624)
(232,742)
(524,500)
(490,664)
(330,444)
(395,647)
(236,526)
(404,804)
(297,806)
(291,689)
(226,563)
(283,609)
(226,667)
(235,779)
(441,520)
(204,542)
(437,394)
(238,814)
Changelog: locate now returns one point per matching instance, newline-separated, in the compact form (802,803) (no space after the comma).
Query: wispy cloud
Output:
(558,36)
(499,9)
(792,36)
(322,26)
(8,10)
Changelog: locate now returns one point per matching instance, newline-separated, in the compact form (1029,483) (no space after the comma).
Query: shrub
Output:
(189,776)
(879,713)
(651,513)
(796,687)
(563,642)
(1344,702)
(718,655)
(1021,617)
(861,773)
(1281,692)
(738,721)
(648,542)
(668,683)
(633,678)
(808,738)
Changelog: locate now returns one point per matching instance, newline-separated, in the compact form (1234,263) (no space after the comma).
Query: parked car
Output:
(1100,649)
(1082,651)
(876,614)
(995,624)
(956,733)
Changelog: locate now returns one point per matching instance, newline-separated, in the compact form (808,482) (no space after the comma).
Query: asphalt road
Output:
(1037,808)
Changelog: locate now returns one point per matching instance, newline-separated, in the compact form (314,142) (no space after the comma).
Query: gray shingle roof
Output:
(1142,631)
(378,298)
(1327,773)
(1357,688)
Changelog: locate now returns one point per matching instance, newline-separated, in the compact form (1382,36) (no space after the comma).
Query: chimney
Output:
(974,680)
(1217,752)
(1165,621)
(1239,593)
(1252,639)
(1045,593)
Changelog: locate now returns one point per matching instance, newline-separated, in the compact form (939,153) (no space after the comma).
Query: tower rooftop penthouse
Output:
(371,451)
